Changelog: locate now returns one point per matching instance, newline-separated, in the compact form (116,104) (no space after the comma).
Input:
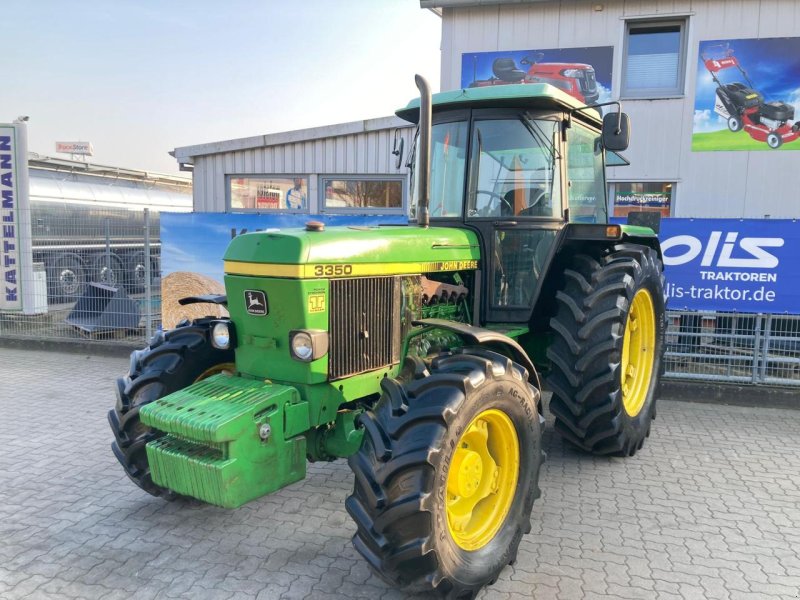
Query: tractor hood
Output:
(352,251)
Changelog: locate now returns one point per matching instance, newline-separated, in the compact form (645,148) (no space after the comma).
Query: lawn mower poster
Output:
(747,95)
(583,73)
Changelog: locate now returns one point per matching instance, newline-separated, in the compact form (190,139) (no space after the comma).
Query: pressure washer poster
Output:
(584,73)
(747,95)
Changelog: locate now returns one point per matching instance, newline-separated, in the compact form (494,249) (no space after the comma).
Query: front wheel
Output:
(774,141)
(606,356)
(448,471)
(174,360)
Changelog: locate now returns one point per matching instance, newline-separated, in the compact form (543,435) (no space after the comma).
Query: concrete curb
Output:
(730,394)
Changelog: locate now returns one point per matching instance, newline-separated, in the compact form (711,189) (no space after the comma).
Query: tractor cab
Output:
(516,164)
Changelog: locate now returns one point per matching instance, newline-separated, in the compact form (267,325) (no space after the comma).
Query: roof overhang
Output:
(184,154)
(524,95)
(469,3)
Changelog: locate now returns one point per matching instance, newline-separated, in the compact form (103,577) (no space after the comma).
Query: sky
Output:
(140,78)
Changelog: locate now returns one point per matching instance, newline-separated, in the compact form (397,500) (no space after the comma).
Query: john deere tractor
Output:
(417,351)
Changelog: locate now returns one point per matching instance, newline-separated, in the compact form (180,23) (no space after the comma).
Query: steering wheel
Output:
(500,197)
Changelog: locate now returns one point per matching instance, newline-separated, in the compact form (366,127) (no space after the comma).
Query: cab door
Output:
(514,199)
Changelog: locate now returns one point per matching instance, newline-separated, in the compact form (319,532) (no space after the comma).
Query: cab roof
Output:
(523,95)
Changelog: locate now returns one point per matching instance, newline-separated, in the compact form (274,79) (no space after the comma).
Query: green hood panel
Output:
(352,251)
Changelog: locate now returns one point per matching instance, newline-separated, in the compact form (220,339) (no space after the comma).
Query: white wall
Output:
(709,184)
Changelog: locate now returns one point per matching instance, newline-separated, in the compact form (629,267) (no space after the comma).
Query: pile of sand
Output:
(182,284)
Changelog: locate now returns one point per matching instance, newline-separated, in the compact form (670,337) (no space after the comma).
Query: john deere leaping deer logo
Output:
(255,301)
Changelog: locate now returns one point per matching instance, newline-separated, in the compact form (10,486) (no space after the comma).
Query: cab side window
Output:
(586,177)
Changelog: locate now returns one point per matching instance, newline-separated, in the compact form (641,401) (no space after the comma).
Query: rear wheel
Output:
(173,361)
(607,353)
(108,269)
(735,124)
(66,276)
(448,471)
(136,271)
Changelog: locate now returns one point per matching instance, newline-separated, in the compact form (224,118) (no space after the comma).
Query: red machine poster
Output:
(583,73)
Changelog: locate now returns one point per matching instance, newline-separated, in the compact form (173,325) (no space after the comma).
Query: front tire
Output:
(774,141)
(173,361)
(606,357)
(448,471)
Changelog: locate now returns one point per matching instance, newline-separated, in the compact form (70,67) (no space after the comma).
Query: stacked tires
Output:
(174,360)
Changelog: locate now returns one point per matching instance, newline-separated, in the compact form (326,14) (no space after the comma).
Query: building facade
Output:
(656,69)
(686,157)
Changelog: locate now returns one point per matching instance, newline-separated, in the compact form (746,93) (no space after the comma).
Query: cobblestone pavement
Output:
(709,509)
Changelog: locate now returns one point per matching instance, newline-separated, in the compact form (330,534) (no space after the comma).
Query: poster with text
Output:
(583,73)
(747,95)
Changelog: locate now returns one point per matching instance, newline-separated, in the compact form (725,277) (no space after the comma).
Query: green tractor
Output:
(415,351)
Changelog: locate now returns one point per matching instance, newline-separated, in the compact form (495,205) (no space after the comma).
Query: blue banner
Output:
(748,265)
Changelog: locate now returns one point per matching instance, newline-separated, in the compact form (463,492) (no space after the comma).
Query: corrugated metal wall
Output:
(368,152)
(709,184)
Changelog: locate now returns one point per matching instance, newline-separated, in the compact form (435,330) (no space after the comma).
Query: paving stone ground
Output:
(709,509)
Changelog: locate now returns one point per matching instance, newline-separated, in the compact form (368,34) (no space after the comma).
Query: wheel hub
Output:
(482,479)
(638,352)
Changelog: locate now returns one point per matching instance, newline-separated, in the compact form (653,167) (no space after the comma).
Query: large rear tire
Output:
(608,349)
(448,471)
(173,361)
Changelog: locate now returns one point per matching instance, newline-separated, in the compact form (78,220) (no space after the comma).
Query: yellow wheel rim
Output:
(482,479)
(220,368)
(638,352)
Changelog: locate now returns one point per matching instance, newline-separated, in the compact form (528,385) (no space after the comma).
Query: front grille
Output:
(364,325)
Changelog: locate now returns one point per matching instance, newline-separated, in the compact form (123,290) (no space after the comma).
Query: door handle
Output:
(506,223)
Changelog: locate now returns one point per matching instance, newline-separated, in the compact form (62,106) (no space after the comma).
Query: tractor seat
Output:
(505,69)
(536,206)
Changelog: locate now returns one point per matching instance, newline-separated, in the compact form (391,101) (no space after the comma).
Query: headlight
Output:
(302,346)
(221,336)
(308,344)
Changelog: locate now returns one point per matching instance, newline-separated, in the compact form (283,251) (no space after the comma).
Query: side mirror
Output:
(397,149)
(616,131)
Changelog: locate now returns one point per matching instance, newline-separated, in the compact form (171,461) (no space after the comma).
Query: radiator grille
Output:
(364,325)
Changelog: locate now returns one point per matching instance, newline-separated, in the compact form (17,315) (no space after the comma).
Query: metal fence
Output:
(96,276)
(733,348)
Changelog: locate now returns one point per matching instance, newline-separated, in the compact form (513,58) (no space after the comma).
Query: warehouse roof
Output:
(185,154)
(459,3)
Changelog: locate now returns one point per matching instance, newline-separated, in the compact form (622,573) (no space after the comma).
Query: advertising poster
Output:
(747,95)
(584,73)
(732,265)
(193,246)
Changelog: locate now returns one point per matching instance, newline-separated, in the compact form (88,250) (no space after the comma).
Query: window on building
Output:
(654,59)
(645,196)
(379,194)
(586,176)
(267,193)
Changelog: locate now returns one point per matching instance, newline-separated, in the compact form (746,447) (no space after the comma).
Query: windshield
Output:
(516,174)
(448,166)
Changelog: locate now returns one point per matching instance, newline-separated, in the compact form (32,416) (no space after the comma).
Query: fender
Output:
(479,336)
(220,299)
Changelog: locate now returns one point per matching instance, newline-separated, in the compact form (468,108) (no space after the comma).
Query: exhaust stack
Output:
(424,149)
